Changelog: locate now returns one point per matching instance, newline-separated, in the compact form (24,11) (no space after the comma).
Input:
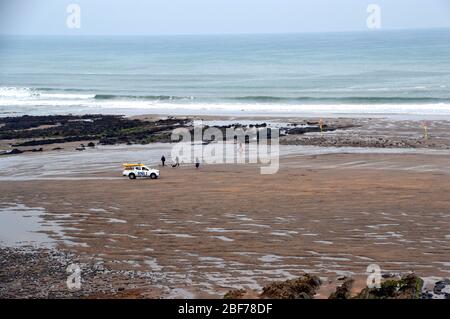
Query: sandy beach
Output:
(329,211)
(225,154)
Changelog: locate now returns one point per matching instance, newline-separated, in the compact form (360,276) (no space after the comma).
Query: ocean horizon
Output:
(387,72)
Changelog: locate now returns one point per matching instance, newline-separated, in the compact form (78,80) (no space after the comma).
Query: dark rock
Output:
(304,287)
(408,287)
(343,291)
(235,294)
(54,141)
(14,151)
(426,295)
(70,128)
(440,285)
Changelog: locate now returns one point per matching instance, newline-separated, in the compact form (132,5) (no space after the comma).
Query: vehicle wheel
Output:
(132,176)
(153,176)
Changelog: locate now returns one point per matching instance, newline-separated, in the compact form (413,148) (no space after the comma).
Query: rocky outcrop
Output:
(344,291)
(304,287)
(407,287)
(107,129)
(17,151)
(235,294)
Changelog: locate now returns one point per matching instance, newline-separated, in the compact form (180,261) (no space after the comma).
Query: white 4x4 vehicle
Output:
(139,170)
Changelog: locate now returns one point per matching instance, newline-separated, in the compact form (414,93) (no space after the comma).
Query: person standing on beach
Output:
(163,160)
(197,163)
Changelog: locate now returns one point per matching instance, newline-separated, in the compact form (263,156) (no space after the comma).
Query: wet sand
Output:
(228,226)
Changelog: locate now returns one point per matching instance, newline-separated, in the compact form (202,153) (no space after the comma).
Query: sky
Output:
(148,17)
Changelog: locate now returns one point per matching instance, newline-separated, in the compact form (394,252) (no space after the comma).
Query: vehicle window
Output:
(144,169)
(137,168)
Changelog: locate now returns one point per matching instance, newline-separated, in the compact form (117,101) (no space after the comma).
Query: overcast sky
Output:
(216,16)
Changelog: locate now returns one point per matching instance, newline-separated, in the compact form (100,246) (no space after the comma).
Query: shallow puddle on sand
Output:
(21,225)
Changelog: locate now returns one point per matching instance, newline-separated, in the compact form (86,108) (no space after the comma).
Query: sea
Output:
(404,72)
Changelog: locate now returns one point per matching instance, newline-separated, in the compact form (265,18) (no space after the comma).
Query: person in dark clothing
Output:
(197,163)
(163,160)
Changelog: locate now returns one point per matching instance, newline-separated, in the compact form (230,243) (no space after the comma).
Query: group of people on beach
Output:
(177,162)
